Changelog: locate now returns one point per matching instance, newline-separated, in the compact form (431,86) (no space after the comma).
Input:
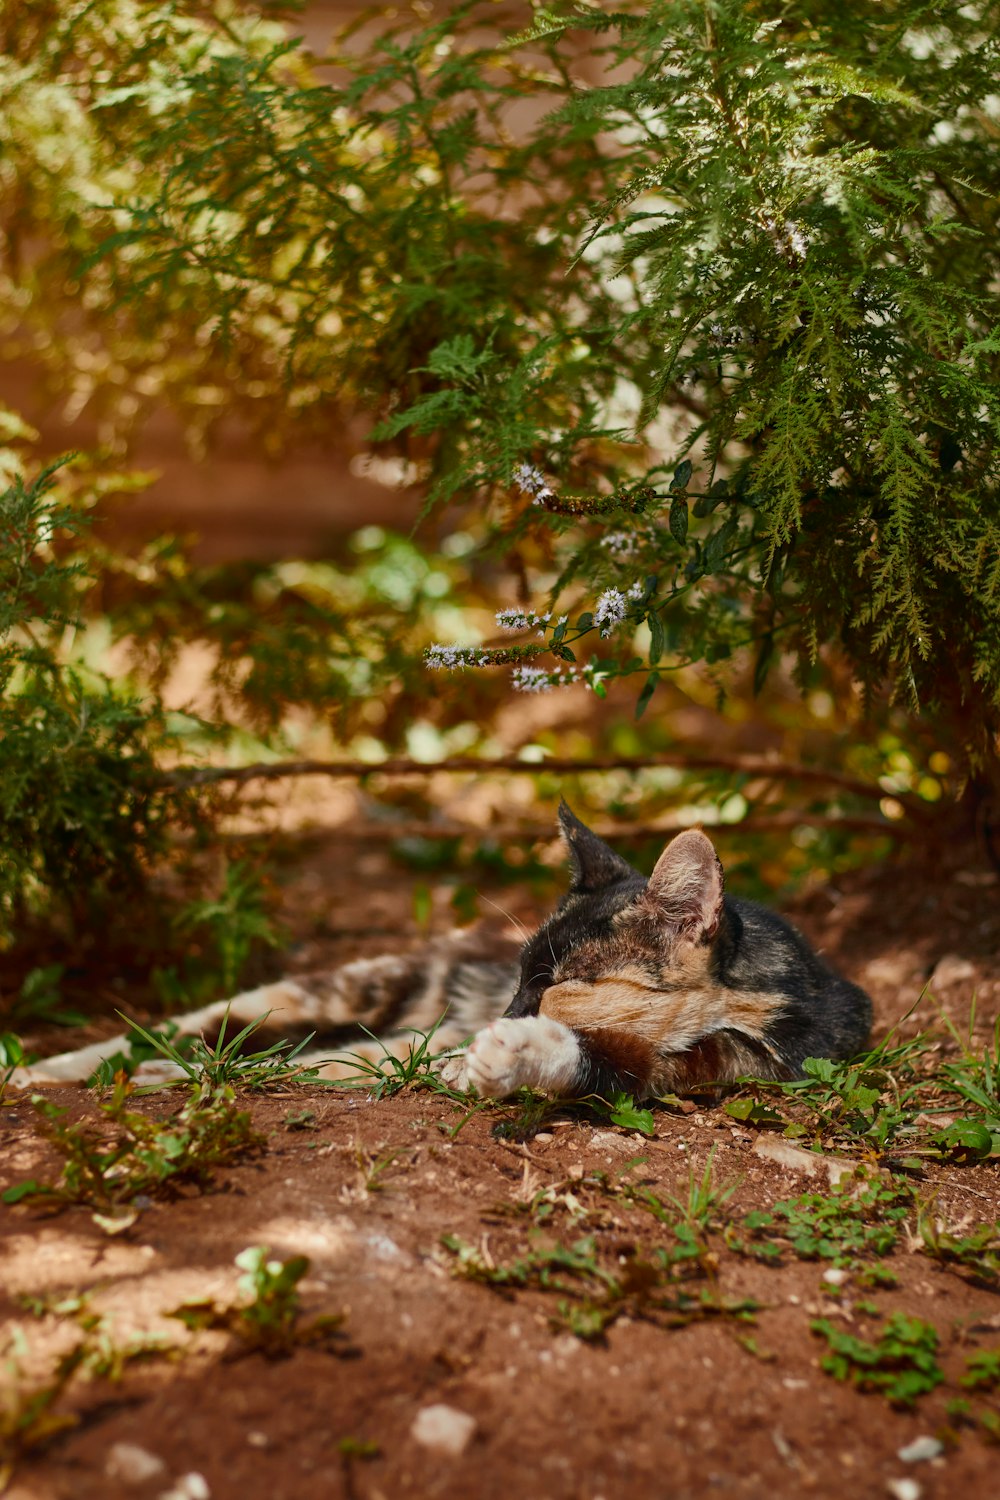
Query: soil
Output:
(717,1407)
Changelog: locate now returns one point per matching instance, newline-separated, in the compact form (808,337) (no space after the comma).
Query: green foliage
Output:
(860,1217)
(625,1113)
(884,1101)
(387,1074)
(977,1252)
(752,285)
(109,1165)
(266,1318)
(704,340)
(28,1419)
(593,1296)
(220,1067)
(982,1370)
(901,1364)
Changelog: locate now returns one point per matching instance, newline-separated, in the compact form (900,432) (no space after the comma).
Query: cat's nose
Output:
(526,1001)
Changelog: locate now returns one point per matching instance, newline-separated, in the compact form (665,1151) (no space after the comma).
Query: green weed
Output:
(40,1000)
(266,1318)
(860,1217)
(231,924)
(883,1102)
(388,1074)
(28,1415)
(594,1295)
(12,1057)
(225,1064)
(901,1364)
(109,1164)
(978,1251)
(982,1370)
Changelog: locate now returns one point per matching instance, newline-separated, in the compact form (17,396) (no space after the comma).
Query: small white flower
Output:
(532,481)
(531,680)
(636,591)
(444,658)
(612,607)
(623,544)
(512,619)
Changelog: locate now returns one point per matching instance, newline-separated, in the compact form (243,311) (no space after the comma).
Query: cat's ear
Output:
(685,888)
(593,863)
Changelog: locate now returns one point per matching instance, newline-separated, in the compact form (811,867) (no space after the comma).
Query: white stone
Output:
(904,1489)
(920,1450)
(131,1464)
(786,1155)
(443,1429)
(951,969)
(836,1276)
(191,1486)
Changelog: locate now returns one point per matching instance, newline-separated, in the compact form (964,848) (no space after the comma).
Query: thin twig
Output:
(743,765)
(385,832)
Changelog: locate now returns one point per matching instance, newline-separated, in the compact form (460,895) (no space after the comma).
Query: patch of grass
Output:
(374,1169)
(39,999)
(266,1319)
(974,1079)
(107,1165)
(225,1064)
(902,1363)
(388,1074)
(592,1295)
(860,1217)
(982,1370)
(12,1057)
(977,1252)
(884,1102)
(28,1414)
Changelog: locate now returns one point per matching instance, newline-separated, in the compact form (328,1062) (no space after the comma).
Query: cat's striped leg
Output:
(287,1004)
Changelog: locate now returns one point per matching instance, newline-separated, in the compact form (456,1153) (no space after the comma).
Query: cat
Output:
(632,985)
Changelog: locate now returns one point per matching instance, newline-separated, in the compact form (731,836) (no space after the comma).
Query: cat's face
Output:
(617,939)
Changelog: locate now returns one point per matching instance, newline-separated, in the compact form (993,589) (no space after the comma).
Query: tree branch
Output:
(666,828)
(183,777)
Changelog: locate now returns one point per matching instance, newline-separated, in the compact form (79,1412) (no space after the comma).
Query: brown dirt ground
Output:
(687,1412)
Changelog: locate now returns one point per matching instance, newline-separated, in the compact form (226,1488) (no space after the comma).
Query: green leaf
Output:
(657,638)
(682,475)
(649,688)
(23,1190)
(625,1114)
(753,1112)
(678,521)
(965,1140)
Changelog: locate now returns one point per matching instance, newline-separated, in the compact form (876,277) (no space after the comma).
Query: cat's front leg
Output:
(533,1052)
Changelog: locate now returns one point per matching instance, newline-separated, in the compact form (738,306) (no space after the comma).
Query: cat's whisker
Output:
(515,921)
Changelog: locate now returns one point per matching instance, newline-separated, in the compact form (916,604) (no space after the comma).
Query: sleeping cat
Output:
(631,985)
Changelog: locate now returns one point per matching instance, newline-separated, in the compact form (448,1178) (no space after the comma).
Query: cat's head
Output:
(615,926)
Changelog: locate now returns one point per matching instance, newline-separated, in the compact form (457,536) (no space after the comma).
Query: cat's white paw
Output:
(454,1072)
(523,1052)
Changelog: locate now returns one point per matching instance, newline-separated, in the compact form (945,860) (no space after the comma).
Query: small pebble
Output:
(904,1489)
(543,1136)
(836,1276)
(131,1464)
(920,1450)
(443,1429)
(191,1486)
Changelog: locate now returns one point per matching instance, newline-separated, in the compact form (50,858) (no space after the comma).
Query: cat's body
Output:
(639,986)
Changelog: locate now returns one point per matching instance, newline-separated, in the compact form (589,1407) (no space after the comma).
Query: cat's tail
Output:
(461,981)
